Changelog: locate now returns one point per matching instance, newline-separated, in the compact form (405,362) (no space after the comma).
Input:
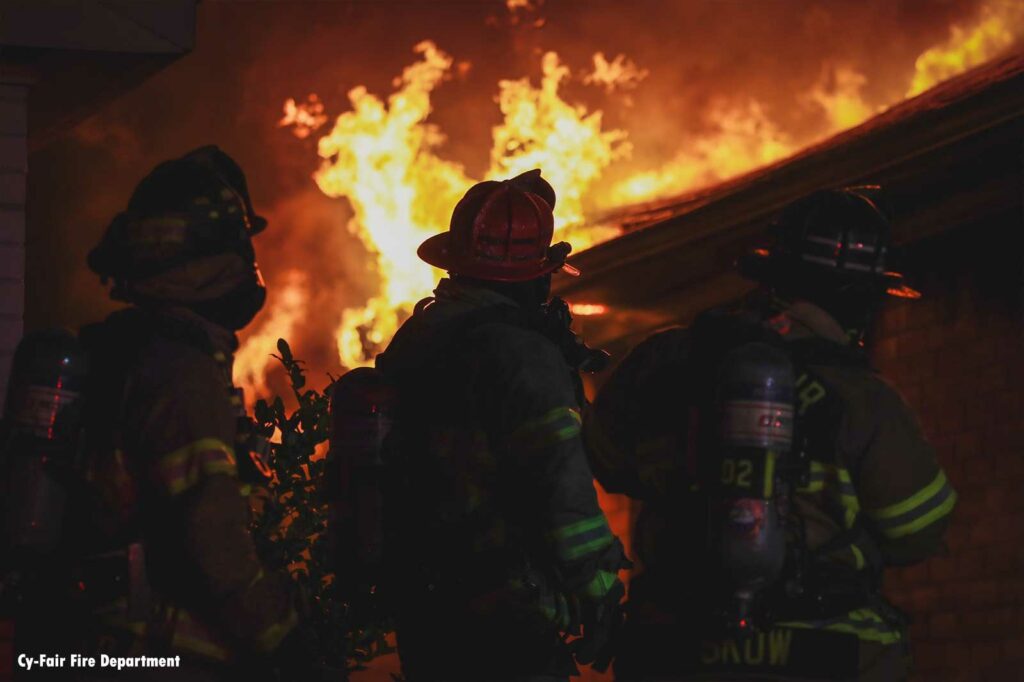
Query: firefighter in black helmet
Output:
(167,517)
(859,490)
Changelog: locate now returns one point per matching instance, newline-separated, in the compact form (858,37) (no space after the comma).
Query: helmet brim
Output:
(256,225)
(761,265)
(435,251)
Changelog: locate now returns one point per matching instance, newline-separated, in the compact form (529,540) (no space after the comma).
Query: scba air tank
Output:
(755,407)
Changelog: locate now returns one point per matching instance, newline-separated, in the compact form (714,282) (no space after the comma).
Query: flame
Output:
(998,26)
(383,158)
(618,74)
(541,130)
(743,138)
(840,96)
(305,118)
(287,308)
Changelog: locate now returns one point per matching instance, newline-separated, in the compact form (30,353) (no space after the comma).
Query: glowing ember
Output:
(998,26)
(587,309)
(287,308)
(305,118)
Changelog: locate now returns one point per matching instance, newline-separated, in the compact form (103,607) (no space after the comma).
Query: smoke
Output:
(703,60)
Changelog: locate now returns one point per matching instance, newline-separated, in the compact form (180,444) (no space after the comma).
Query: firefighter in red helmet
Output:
(853,488)
(496,540)
(157,541)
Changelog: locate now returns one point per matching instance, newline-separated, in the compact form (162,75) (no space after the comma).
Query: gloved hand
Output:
(601,621)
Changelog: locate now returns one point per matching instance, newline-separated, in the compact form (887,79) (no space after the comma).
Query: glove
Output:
(601,621)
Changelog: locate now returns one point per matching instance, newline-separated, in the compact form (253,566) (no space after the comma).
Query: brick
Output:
(957,537)
(13,117)
(979,470)
(5,373)
(943,625)
(967,444)
(987,623)
(984,593)
(12,261)
(12,226)
(11,328)
(999,561)
(13,93)
(12,188)
(1013,649)
(14,153)
(1009,465)
(12,297)
(984,653)
(942,569)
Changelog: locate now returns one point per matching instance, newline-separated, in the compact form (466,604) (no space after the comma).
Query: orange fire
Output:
(287,308)
(587,309)
(305,118)
(385,159)
(382,156)
(998,26)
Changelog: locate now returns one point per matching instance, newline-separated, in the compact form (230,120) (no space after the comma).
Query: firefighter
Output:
(163,556)
(865,491)
(499,545)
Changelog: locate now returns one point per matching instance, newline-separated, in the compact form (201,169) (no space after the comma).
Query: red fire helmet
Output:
(501,231)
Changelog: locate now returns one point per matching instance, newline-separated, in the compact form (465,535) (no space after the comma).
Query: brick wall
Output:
(13,167)
(958,357)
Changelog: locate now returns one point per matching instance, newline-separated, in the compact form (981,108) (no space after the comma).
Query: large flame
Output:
(382,158)
(385,159)
(743,139)
(997,27)
(541,130)
(287,309)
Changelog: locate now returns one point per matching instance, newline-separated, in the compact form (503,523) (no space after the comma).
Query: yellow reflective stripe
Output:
(769,474)
(587,548)
(183,468)
(270,638)
(911,502)
(582,537)
(189,635)
(600,584)
(557,425)
(858,556)
(923,521)
(851,505)
(864,623)
(256,578)
(199,646)
(921,509)
(817,479)
(578,527)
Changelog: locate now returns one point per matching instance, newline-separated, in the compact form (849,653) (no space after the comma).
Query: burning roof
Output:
(946,158)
